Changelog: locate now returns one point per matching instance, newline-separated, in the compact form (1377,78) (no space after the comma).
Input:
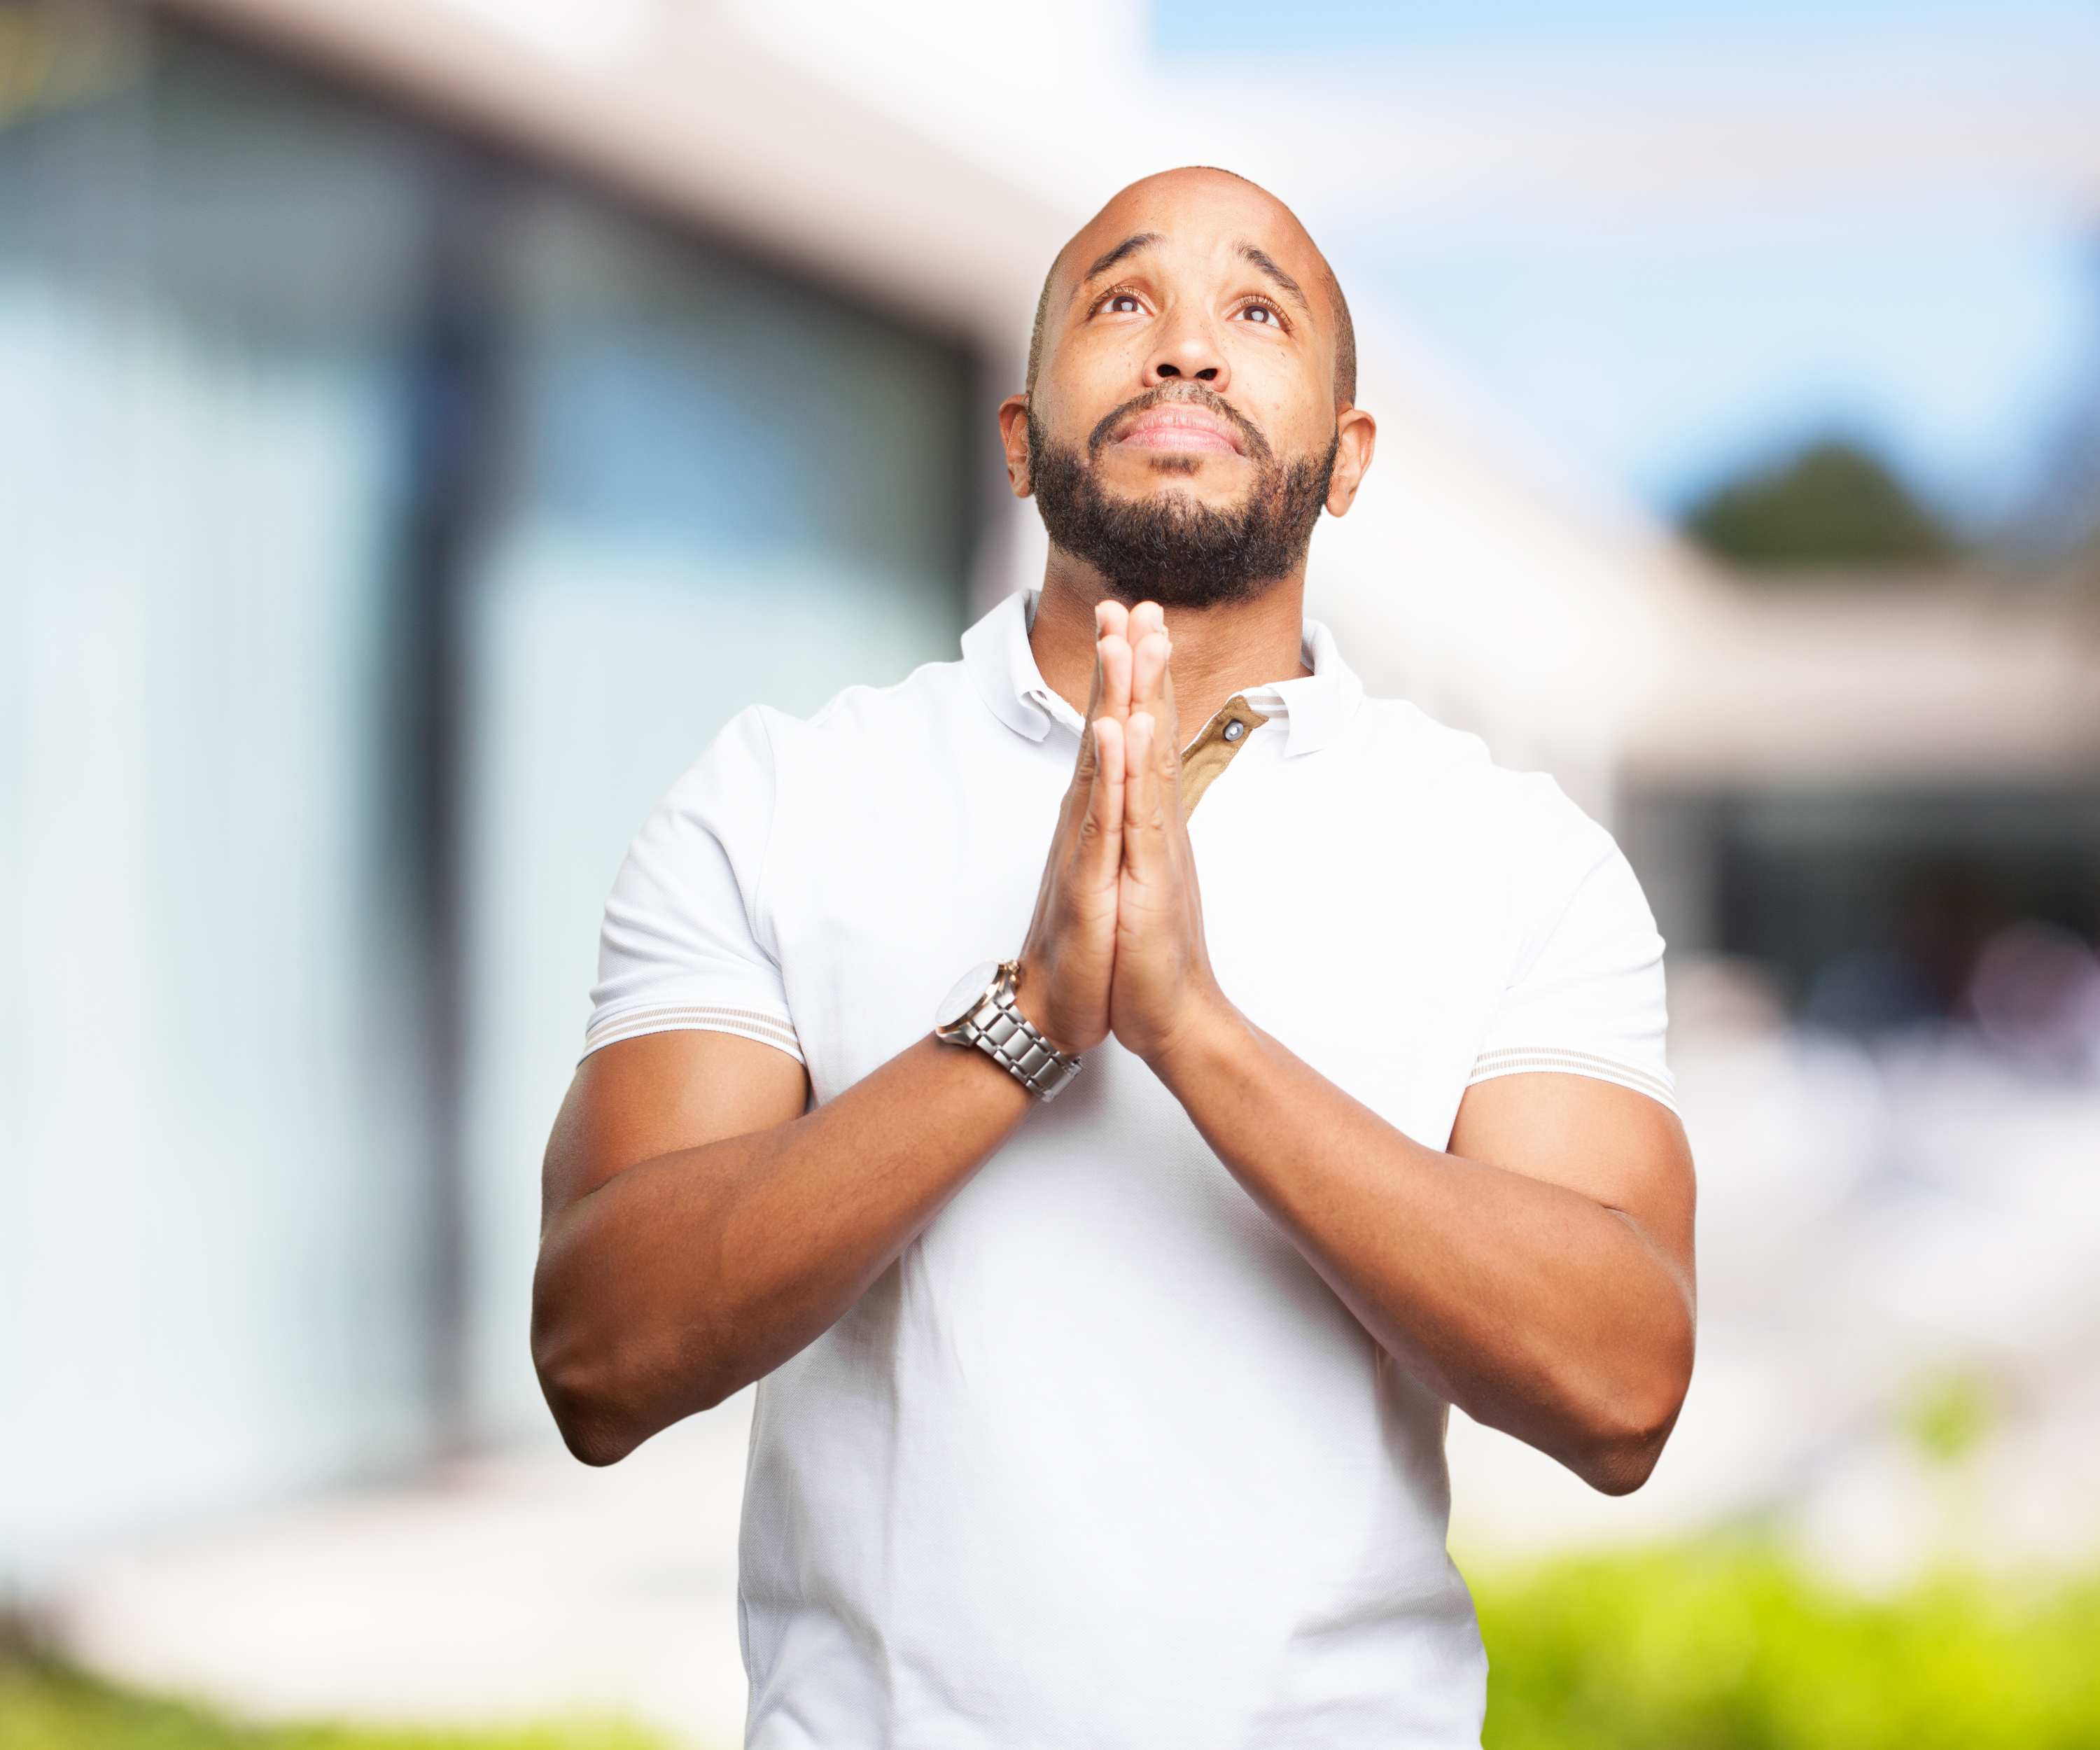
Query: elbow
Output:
(578,1366)
(579,1362)
(586,1409)
(1624,1437)
(605,1396)
(1623,1461)
(590,1433)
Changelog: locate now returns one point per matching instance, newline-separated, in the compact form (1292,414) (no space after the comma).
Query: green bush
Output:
(1730,1646)
(45,1706)
(1717,1645)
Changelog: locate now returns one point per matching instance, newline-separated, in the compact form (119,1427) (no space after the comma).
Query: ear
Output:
(1355,434)
(1013,436)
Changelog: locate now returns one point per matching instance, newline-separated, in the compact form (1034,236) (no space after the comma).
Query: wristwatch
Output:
(981,1011)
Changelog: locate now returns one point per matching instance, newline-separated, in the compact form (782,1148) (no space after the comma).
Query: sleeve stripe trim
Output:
(1518,1059)
(759,1018)
(770,1029)
(765,1035)
(660,1021)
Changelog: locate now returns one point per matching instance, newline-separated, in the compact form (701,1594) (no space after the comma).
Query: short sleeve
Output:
(682,948)
(1587,995)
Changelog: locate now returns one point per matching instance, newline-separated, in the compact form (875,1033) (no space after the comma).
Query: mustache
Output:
(1257,446)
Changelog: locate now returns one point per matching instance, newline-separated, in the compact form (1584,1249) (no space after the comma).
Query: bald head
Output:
(1071,269)
(1190,410)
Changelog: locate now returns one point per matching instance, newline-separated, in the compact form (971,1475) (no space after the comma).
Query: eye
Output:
(1261,313)
(1121,304)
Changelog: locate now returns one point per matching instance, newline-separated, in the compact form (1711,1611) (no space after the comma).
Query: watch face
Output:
(969,988)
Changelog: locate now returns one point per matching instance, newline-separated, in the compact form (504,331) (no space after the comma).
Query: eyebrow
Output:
(1130,245)
(1261,259)
(1249,252)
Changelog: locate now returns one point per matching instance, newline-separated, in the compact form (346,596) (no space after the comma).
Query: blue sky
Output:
(1955,346)
(1955,340)
(1440,27)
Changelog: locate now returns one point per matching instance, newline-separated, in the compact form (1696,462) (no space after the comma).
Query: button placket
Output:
(1204,760)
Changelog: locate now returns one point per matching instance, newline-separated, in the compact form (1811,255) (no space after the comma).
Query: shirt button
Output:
(1235,729)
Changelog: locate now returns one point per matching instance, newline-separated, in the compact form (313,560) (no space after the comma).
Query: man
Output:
(1119,1420)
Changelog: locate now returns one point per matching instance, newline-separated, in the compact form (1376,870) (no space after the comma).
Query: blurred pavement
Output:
(517,1588)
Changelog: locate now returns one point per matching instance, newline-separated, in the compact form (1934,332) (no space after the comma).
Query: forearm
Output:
(685,1277)
(1534,1308)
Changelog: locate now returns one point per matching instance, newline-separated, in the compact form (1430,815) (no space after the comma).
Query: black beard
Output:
(1168,547)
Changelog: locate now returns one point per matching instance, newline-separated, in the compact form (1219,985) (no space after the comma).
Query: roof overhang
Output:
(682,111)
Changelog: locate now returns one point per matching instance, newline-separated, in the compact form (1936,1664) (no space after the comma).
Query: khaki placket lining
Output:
(1205,758)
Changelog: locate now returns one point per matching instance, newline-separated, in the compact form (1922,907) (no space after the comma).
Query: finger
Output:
(1099,854)
(1110,622)
(1113,656)
(1148,659)
(1112,639)
(1167,714)
(1147,616)
(1089,761)
(1143,850)
(1152,691)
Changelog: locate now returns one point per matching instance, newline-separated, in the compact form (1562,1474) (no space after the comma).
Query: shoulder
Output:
(927,697)
(1405,734)
(1450,772)
(756,748)
(934,700)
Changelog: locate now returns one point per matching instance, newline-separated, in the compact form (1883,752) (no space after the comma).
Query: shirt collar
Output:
(1318,705)
(1001,666)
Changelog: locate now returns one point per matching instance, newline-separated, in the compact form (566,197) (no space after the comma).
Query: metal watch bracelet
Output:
(994,1024)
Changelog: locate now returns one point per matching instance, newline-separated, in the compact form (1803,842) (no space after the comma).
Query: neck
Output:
(1218,651)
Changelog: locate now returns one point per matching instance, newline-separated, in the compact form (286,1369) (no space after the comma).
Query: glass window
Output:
(726,489)
(384,523)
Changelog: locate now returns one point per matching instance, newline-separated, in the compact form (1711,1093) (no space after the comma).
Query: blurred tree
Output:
(1834,505)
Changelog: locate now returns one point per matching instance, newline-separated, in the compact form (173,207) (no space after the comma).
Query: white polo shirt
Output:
(1101,1461)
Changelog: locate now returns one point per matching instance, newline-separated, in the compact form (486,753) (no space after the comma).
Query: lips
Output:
(1181,426)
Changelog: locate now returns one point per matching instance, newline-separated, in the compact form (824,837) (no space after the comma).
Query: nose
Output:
(1185,348)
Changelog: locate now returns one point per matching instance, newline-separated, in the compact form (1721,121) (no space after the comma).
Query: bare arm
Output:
(698,1232)
(700,1228)
(1539,1274)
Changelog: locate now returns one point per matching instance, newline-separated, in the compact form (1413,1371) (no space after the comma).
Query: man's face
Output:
(1182,432)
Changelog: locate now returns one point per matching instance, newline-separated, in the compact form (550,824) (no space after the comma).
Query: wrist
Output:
(1032,997)
(1030,985)
(982,1013)
(1208,1035)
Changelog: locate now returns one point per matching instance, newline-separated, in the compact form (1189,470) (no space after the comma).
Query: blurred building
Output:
(422,424)
(1857,779)
(418,433)
(390,506)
